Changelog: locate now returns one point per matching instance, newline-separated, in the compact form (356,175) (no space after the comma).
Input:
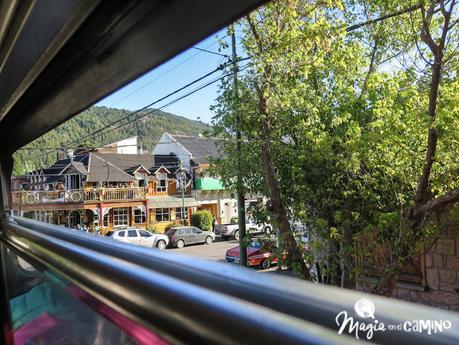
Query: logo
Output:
(365,308)
(367,324)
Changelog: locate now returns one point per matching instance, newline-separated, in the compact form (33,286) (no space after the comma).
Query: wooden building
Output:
(109,190)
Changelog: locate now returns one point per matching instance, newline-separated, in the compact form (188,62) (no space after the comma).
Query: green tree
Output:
(334,128)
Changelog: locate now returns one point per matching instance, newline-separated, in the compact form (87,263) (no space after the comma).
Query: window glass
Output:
(144,233)
(132,233)
(162,214)
(105,221)
(121,234)
(139,216)
(120,216)
(196,231)
(171,231)
(188,231)
(179,214)
(161,184)
(46,309)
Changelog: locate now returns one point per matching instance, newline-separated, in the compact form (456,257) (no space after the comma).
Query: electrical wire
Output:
(167,72)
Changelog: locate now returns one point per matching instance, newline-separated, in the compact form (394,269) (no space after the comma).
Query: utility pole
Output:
(182,184)
(240,186)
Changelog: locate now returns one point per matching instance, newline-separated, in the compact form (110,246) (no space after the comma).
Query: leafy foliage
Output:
(202,220)
(348,124)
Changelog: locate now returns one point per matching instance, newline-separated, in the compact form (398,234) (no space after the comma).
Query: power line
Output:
(219,68)
(166,72)
(211,52)
(166,105)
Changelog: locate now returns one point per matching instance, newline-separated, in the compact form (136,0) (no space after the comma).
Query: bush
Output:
(152,228)
(172,225)
(202,220)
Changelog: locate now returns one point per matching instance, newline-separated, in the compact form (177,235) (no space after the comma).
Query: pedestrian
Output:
(214,223)
(96,228)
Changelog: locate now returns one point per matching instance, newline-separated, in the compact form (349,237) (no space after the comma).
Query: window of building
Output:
(139,216)
(120,216)
(73,181)
(179,215)
(162,215)
(105,221)
(74,219)
(161,184)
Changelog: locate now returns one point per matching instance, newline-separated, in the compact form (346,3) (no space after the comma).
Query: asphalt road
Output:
(215,251)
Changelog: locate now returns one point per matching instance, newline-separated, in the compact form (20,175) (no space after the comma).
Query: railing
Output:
(108,194)
(75,196)
(202,302)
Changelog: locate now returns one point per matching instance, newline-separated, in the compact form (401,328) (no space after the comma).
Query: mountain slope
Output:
(148,129)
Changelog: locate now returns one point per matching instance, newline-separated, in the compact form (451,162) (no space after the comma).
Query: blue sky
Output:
(182,69)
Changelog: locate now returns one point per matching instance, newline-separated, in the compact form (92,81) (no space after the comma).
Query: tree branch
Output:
(444,200)
(387,16)
(425,32)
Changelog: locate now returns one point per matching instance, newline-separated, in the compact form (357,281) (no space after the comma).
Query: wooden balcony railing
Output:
(77,195)
(107,194)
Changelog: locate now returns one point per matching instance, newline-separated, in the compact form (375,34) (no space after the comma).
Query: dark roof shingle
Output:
(201,149)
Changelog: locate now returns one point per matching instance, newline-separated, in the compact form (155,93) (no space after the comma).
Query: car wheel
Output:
(268,230)
(209,240)
(266,264)
(161,245)
(236,235)
(180,243)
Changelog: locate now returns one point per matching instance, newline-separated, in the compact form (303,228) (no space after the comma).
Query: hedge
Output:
(202,220)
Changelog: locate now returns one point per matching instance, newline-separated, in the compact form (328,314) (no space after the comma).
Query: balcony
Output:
(77,196)
(208,183)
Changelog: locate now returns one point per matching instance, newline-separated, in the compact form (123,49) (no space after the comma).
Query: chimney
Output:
(70,155)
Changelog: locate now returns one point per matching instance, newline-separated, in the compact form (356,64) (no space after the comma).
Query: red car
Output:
(258,254)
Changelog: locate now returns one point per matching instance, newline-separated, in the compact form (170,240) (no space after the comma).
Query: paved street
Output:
(215,251)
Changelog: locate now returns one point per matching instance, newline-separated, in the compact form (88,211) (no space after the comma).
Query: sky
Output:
(175,73)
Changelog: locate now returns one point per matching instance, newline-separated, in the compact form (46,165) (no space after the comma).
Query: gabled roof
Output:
(109,167)
(136,168)
(201,149)
(128,161)
(101,170)
(79,166)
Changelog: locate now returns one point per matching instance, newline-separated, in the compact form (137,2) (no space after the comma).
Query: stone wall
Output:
(441,287)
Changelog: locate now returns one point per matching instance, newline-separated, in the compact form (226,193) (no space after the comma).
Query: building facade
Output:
(107,190)
(195,154)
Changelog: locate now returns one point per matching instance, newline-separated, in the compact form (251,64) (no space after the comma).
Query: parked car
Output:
(232,229)
(259,253)
(140,237)
(184,235)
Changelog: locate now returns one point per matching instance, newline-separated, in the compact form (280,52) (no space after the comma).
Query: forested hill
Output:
(148,129)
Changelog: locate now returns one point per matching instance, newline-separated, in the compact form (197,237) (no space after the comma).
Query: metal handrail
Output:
(197,301)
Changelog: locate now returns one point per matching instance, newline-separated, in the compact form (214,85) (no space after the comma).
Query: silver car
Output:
(184,235)
(140,237)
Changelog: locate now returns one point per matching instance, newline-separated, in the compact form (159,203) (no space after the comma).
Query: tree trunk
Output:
(347,281)
(294,254)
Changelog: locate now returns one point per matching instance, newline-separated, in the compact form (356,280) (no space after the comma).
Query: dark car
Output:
(181,236)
